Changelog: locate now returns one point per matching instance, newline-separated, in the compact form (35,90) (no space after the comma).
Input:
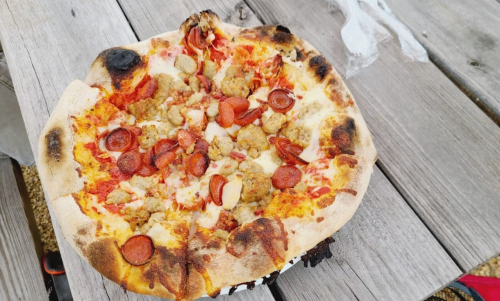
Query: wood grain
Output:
(436,146)
(385,252)
(20,268)
(462,39)
(47,45)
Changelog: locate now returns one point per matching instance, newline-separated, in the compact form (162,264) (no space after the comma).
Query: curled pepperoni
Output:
(164,159)
(289,152)
(215,186)
(248,117)
(138,250)
(286,177)
(118,140)
(165,145)
(280,101)
(201,145)
(226,115)
(129,162)
(237,156)
(239,104)
(148,158)
(147,89)
(196,38)
(197,163)
(186,138)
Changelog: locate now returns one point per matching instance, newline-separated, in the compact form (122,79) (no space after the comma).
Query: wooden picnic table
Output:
(432,210)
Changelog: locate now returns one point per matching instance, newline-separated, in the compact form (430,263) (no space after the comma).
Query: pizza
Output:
(204,158)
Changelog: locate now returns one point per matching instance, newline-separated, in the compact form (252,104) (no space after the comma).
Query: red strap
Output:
(487,287)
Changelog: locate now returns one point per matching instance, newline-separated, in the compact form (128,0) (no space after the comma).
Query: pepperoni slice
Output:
(201,145)
(197,163)
(129,162)
(286,177)
(146,170)
(226,115)
(164,159)
(196,38)
(118,140)
(148,89)
(239,104)
(289,152)
(148,158)
(186,138)
(215,186)
(279,100)
(238,156)
(165,145)
(248,117)
(138,250)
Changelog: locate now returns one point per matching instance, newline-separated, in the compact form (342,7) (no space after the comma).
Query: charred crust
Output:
(103,256)
(282,35)
(346,160)
(347,190)
(282,28)
(271,279)
(215,294)
(300,55)
(320,67)
(54,144)
(319,219)
(120,63)
(342,137)
(172,263)
(318,253)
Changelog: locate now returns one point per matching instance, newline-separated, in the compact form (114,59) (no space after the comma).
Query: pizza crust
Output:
(252,250)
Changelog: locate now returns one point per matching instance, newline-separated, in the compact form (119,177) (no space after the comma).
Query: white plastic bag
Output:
(363,30)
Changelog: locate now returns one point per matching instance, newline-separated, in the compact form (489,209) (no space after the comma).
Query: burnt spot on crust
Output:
(347,190)
(54,144)
(320,67)
(319,219)
(346,160)
(326,201)
(282,35)
(271,279)
(318,253)
(268,233)
(342,138)
(103,256)
(300,55)
(120,63)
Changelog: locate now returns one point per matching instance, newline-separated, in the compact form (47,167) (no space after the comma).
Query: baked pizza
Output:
(204,158)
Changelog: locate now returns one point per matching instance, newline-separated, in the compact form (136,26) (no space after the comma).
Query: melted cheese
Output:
(209,217)
(158,64)
(125,185)
(265,160)
(212,130)
(219,76)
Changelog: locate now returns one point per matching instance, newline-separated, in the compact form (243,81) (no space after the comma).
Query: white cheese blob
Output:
(231,193)
(158,64)
(222,72)
(161,235)
(129,188)
(212,130)
(265,160)
(195,117)
(209,218)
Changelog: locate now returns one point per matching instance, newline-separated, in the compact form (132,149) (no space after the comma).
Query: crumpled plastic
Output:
(13,137)
(364,29)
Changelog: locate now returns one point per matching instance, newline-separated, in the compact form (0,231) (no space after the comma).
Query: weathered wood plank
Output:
(462,38)
(384,253)
(20,269)
(436,146)
(48,44)
(376,251)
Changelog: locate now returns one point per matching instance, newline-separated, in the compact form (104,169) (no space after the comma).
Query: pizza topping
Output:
(196,120)
(149,136)
(186,139)
(146,170)
(118,196)
(216,185)
(129,162)
(185,63)
(252,136)
(248,167)
(272,66)
(143,183)
(201,145)
(280,100)
(118,140)
(197,163)
(248,117)
(136,217)
(300,135)
(274,123)
(255,186)
(148,88)
(196,39)
(174,115)
(164,83)
(138,250)
(220,147)
(153,219)
(289,152)
(231,193)
(165,145)
(286,177)
(164,159)
(239,104)
(308,110)
(154,205)
(226,115)
(209,69)
(226,222)
(234,86)
(213,110)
